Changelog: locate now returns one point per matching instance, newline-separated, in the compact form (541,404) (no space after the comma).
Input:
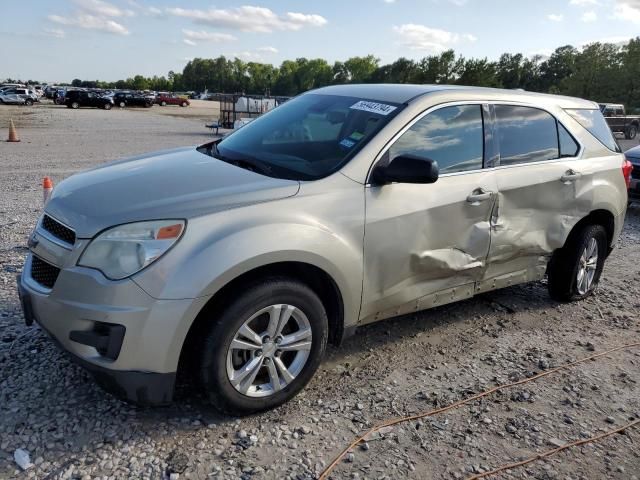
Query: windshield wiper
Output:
(251,164)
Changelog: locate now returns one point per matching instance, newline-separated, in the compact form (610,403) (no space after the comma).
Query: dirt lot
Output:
(407,365)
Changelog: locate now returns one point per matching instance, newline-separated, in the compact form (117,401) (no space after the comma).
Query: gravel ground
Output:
(72,429)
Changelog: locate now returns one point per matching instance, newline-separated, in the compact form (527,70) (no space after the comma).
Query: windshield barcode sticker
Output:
(373,107)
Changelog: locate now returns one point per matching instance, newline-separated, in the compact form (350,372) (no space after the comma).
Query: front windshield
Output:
(309,137)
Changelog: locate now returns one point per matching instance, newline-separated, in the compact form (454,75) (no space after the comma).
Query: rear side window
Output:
(452,136)
(594,122)
(526,135)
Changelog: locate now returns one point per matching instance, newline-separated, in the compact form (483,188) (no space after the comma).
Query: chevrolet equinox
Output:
(344,206)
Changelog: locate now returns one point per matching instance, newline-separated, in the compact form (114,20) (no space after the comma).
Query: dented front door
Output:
(425,239)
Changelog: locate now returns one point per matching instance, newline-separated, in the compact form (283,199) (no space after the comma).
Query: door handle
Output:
(479,195)
(570,176)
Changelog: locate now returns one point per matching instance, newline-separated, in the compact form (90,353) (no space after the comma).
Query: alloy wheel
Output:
(269,350)
(587,267)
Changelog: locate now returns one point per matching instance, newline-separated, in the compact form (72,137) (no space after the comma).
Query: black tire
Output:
(121,104)
(163,103)
(220,333)
(183,104)
(631,132)
(28,102)
(75,105)
(107,106)
(565,263)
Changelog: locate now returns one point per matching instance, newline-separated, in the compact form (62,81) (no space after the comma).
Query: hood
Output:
(633,155)
(180,183)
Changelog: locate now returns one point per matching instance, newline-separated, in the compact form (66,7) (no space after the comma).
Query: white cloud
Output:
(268,49)
(149,11)
(191,36)
(627,10)
(389,1)
(620,41)
(90,22)
(421,37)
(589,17)
(584,3)
(54,32)
(250,19)
(102,9)
(555,17)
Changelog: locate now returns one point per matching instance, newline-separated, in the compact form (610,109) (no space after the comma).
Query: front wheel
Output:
(264,347)
(28,102)
(75,105)
(183,104)
(121,104)
(575,269)
(631,132)
(163,104)
(107,106)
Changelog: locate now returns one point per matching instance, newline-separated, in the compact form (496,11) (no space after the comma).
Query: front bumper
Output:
(142,388)
(143,336)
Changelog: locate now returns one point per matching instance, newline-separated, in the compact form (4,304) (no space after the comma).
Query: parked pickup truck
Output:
(618,121)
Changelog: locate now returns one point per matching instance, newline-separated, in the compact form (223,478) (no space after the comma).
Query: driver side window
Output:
(452,136)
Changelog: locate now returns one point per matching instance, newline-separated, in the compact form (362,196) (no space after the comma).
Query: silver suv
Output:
(239,260)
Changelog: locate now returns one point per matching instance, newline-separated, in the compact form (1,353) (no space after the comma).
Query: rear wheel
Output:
(107,106)
(264,347)
(75,105)
(28,102)
(632,131)
(163,103)
(575,269)
(121,104)
(183,104)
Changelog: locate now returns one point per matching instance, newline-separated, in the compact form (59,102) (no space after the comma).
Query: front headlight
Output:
(126,249)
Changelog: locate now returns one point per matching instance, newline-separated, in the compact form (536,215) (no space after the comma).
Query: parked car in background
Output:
(163,99)
(79,98)
(244,257)
(11,99)
(29,96)
(50,91)
(633,156)
(619,121)
(132,99)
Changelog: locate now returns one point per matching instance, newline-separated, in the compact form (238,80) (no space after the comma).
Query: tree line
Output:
(603,72)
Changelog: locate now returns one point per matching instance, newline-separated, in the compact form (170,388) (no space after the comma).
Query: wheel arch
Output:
(596,217)
(311,275)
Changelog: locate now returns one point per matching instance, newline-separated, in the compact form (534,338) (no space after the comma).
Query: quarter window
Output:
(452,136)
(526,135)
(568,146)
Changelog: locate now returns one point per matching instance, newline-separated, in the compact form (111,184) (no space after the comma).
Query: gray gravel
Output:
(72,429)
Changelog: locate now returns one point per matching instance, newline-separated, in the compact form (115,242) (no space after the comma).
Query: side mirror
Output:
(406,168)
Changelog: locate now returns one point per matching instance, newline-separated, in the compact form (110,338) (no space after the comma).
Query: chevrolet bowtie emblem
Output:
(33,241)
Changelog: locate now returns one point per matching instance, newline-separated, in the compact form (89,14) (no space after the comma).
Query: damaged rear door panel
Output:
(544,189)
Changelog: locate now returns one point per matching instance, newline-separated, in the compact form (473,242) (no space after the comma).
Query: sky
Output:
(108,40)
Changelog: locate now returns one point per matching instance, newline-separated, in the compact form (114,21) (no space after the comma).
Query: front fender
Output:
(208,258)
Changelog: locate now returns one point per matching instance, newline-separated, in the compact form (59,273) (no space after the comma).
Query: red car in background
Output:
(163,99)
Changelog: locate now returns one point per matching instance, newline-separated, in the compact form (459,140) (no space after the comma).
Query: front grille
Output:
(58,230)
(44,273)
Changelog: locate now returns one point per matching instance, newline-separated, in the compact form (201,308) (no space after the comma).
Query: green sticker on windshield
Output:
(356,136)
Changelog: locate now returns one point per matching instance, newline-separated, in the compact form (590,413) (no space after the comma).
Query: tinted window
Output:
(526,135)
(595,123)
(568,146)
(452,136)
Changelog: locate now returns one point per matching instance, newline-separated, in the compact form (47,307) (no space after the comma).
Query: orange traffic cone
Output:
(47,188)
(13,135)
